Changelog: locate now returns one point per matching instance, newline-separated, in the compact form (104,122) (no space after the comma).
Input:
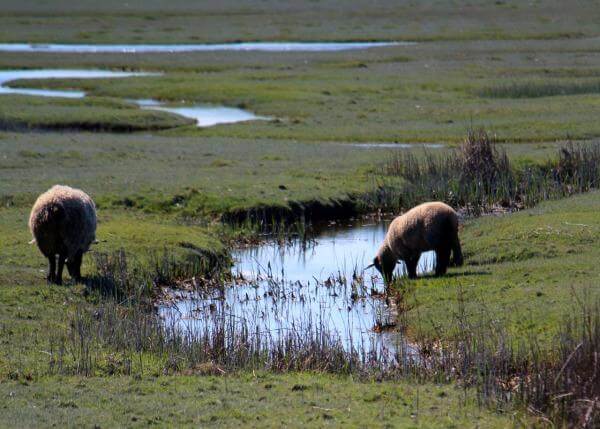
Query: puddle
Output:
(295,291)
(204,47)
(204,115)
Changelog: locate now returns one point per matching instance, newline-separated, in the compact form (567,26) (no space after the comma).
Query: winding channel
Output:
(204,115)
(202,47)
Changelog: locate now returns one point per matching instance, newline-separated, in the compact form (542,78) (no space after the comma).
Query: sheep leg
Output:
(51,268)
(442,260)
(411,266)
(457,255)
(74,266)
(388,275)
(59,269)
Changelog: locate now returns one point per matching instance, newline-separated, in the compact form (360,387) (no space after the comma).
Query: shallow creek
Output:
(301,291)
(201,47)
(204,115)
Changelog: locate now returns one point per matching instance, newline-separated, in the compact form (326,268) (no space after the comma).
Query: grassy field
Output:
(196,176)
(252,400)
(191,22)
(541,90)
(525,272)
(520,275)
(528,73)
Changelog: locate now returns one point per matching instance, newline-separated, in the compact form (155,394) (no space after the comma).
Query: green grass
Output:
(425,93)
(524,271)
(25,112)
(185,22)
(540,89)
(184,175)
(139,235)
(251,400)
(525,72)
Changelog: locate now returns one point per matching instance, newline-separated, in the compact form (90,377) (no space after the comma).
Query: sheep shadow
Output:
(106,286)
(468,273)
(456,274)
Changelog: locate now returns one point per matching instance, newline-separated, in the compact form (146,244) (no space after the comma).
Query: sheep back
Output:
(425,227)
(63,221)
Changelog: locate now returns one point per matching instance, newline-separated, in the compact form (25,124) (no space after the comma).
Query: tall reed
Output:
(561,385)
(478,177)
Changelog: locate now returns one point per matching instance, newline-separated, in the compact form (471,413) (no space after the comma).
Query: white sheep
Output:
(429,226)
(63,223)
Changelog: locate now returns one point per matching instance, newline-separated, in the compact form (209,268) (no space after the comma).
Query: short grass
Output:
(189,175)
(24,113)
(523,271)
(251,400)
(194,176)
(192,22)
(527,72)
(430,92)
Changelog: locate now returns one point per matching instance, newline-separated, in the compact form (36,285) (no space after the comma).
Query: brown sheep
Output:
(63,223)
(429,226)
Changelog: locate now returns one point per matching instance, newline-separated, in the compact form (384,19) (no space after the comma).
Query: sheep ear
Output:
(32,241)
(369,266)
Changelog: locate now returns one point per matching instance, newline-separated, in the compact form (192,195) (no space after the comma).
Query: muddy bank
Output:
(12,125)
(308,212)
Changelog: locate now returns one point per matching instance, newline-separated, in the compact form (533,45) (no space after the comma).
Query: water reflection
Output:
(311,290)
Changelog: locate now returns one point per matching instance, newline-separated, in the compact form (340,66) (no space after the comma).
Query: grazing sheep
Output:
(63,223)
(429,226)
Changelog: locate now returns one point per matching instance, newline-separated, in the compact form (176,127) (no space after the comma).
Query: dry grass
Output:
(478,177)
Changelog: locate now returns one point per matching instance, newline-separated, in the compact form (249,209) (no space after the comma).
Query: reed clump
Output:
(478,177)
(561,385)
(539,89)
(122,276)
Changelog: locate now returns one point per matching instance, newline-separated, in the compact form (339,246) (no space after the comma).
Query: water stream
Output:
(316,289)
(202,47)
(204,115)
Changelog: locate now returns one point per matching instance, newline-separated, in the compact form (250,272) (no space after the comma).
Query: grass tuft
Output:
(540,89)
(478,177)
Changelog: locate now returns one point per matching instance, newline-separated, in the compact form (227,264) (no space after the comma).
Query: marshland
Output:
(243,189)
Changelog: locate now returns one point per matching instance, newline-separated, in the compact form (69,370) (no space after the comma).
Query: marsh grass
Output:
(540,89)
(121,334)
(123,277)
(560,385)
(27,113)
(479,178)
